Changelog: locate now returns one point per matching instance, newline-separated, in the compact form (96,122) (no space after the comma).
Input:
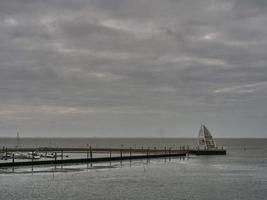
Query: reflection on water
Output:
(65,168)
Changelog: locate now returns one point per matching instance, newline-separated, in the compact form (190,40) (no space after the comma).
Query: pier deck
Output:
(87,160)
(88,154)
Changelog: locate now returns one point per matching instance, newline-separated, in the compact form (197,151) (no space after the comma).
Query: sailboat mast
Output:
(18,140)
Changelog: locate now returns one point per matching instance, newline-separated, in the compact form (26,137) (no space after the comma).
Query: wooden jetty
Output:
(89,160)
(109,154)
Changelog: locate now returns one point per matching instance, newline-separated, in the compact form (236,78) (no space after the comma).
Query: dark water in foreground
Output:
(241,175)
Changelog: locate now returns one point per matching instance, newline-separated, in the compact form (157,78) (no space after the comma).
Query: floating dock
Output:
(207,152)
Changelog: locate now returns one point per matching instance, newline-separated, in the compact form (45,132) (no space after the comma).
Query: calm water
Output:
(242,174)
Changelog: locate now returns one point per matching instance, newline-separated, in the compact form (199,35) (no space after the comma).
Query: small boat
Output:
(53,155)
(19,155)
(33,155)
(49,155)
(5,156)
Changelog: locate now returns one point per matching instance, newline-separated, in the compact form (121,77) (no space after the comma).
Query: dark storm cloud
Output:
(132,64)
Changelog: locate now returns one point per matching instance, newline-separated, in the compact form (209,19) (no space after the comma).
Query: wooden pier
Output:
(88,154)
(87,160)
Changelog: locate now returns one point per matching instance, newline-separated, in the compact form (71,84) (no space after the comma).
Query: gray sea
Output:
(240,175)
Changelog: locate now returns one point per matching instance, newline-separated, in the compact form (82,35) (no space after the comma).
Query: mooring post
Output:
(130,152)
(91,154)
(110,157)
(147,153)
(121,154)
(3,151)
(55,156)
(32,156)
(87,154)
(13,158)
(61,154)
(6,154)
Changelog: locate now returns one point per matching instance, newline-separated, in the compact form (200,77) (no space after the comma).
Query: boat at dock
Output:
(205,139)
(33,155)
(207,144)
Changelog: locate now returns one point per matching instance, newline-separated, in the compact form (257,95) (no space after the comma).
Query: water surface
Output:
(242,174)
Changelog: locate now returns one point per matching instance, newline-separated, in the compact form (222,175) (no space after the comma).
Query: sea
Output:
(239,175)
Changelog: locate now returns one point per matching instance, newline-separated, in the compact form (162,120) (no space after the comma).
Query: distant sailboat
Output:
(18,141)
(205,139)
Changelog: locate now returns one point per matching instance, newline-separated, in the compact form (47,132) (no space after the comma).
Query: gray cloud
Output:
(131,68)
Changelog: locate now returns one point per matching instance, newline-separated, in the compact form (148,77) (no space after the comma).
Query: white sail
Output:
(205,138)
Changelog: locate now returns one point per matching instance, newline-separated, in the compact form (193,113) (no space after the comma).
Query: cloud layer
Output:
(133,68)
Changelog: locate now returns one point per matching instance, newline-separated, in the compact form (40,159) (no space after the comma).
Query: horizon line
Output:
(116,137)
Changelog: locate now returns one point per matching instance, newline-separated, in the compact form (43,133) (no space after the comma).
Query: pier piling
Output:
(61,154)
(91,154)
(32,155)
(6,154)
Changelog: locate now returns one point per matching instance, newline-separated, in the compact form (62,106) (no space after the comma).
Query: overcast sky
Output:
(133,68)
